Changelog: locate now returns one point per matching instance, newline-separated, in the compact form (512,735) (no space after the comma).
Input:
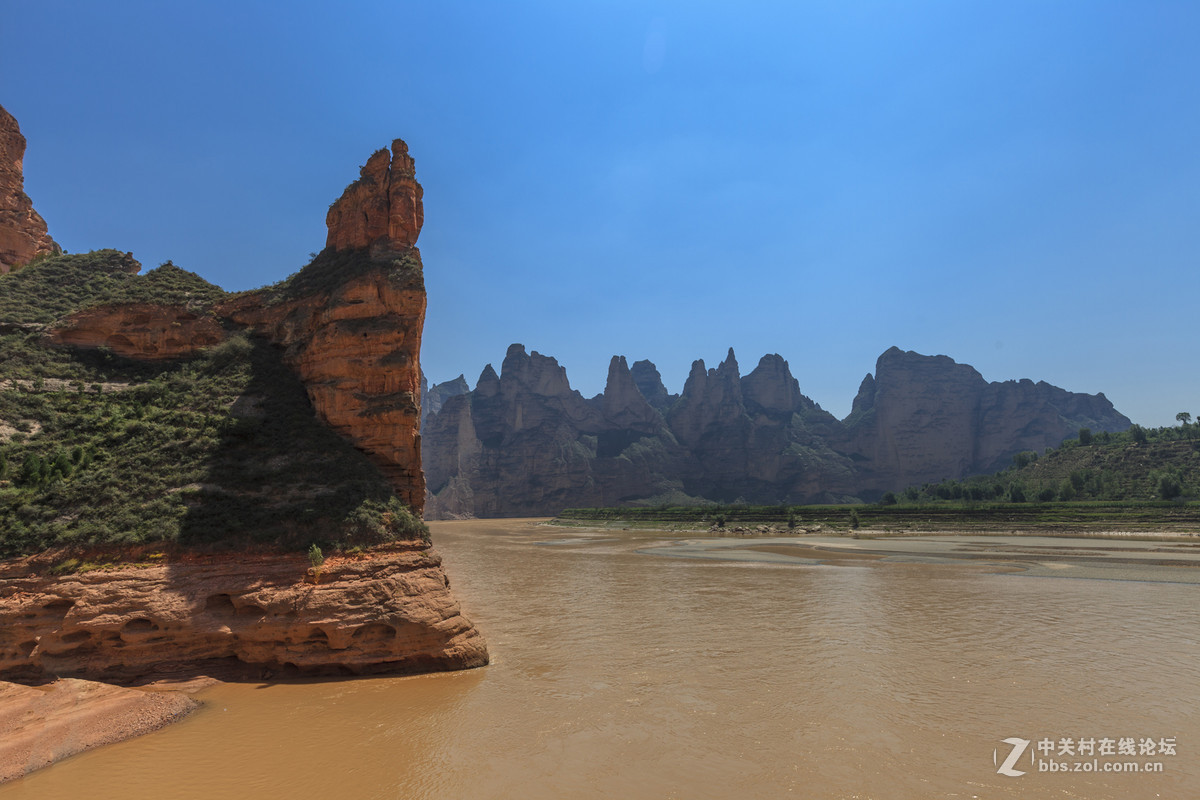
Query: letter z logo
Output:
(1018,750)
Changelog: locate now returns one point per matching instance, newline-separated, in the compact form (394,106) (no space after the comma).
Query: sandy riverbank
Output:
(40,725)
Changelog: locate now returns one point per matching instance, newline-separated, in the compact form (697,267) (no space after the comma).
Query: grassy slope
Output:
(222,450)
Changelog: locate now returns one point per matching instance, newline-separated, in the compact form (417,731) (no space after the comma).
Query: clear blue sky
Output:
(1016,184)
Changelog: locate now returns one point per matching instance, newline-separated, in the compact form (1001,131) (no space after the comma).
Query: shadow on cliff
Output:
(278,476)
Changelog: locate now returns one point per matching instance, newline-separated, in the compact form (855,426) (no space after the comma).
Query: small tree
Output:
(1085,436)
(1184,418)
(1169,487)
(317,559)
(1138,433)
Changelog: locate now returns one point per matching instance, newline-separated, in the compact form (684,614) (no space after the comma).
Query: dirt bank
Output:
(44,724)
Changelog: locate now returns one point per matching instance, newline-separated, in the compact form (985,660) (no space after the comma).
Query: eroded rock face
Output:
(140,330)
(434,397)
(357,349)
(383,207)
(23,235)
(525,443)
(520,444)
(236,616)
(350,325)
(927,418)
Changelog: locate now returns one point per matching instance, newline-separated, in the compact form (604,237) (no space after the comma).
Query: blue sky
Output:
(1015,185)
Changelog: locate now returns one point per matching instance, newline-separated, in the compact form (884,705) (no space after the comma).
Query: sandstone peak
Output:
(382,210)
(622,403)
(729,364)
(488,383)
(23,235)
(771,387)
(649,383)
(533,372)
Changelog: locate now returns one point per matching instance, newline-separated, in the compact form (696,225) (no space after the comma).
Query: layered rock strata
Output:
(524,443)
(23,235)
(140,330)
(244,616)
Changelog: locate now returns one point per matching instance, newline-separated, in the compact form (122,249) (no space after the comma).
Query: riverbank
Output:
(1152,518)
(41,725)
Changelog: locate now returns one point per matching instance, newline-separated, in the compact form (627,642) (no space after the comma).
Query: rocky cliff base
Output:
(237,616)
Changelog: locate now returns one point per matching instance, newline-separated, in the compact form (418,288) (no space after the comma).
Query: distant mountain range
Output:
(524,443)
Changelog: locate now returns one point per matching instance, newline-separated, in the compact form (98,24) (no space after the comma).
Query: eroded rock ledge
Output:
(236,616)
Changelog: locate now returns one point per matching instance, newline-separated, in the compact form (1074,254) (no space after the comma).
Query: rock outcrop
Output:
(349,326)
(522,443)
(23,235)
(383,207)
(434,397)
(349,323)
(357,346)
(140,330)
(236,616)
(923,419)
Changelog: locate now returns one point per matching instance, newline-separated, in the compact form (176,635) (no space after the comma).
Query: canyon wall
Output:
(524,443)
(23,235)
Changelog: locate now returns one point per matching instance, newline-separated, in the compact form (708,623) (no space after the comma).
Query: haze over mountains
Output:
(524,443)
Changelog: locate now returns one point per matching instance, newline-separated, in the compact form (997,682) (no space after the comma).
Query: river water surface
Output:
(621,670)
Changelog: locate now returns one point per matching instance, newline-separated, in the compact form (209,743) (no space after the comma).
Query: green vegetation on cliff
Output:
(220,450)
(53,287)
(1137,465)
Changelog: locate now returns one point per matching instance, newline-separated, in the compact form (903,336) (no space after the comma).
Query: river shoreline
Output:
(42,725)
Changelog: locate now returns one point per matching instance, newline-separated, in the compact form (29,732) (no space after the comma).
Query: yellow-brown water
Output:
(620,674)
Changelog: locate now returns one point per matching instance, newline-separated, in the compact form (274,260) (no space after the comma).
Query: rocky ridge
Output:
(23,235)
(524,443)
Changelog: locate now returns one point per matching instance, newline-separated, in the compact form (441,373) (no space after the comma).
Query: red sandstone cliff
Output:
(382,207)
(349,323)
(140,330)
(243,616)
(23,234)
